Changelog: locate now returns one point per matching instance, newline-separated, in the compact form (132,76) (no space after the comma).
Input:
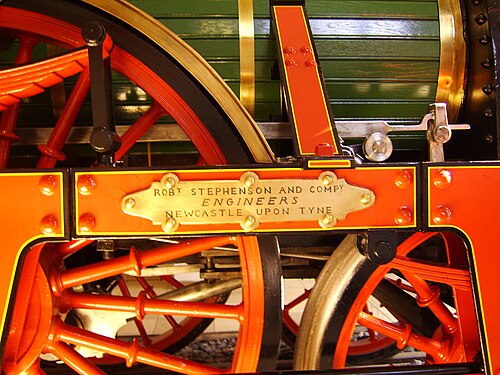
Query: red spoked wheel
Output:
(42,327)
(428,303)
(371,348)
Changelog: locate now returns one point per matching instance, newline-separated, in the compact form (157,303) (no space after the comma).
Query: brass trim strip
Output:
(247,55)
(197,66)
(452,52)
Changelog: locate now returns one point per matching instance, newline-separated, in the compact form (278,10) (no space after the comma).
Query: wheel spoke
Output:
(455,277)
(133,262)
(51,152)
(287,319)
(152,294)
(141,305)
(428,296)
(9,116)
(132,353)
(130,137)
(74,360)
(172,281)
(402,335)
(138,323)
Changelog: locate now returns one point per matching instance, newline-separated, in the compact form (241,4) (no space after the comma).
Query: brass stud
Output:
(130,203)
(249,223)
(170,225)
(327,178)
(327,221)
(169,180)
(365,199)
(249,179)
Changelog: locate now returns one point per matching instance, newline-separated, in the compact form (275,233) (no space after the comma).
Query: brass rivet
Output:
(129,203)
(169,182)
(249,223)
(365,199)
(327,178)
(170,225)
(327,221)
(249,181)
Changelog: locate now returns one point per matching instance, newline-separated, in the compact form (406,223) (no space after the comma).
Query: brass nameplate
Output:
(248,201)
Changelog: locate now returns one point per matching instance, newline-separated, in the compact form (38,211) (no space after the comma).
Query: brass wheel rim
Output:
(452,52)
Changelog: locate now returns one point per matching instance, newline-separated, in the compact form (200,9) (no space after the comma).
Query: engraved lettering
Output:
(290,190)
(315,210)
(272,211)
(165,192)
(229,201)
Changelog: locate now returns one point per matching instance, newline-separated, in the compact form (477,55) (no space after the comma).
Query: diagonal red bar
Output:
(307,100)
(142,306)
(135,261)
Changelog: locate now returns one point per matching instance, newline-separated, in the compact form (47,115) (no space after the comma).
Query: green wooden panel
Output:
(382,69)
(369,49)
(380,58)
(381,90)
(394,112)
(359,28)
(316,8)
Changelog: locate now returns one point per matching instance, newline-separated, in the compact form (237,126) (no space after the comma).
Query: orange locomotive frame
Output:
(439,197)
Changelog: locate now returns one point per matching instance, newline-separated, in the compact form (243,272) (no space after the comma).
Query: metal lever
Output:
(439,131)
(361,129)
(378,146)
(104,139)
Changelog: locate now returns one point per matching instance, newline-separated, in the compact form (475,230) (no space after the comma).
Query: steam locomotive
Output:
(166,166)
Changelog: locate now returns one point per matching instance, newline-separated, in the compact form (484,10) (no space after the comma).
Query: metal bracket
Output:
(379,246)
(104,139)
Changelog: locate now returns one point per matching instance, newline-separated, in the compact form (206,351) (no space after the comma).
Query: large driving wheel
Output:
(425,291)
(170,89)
